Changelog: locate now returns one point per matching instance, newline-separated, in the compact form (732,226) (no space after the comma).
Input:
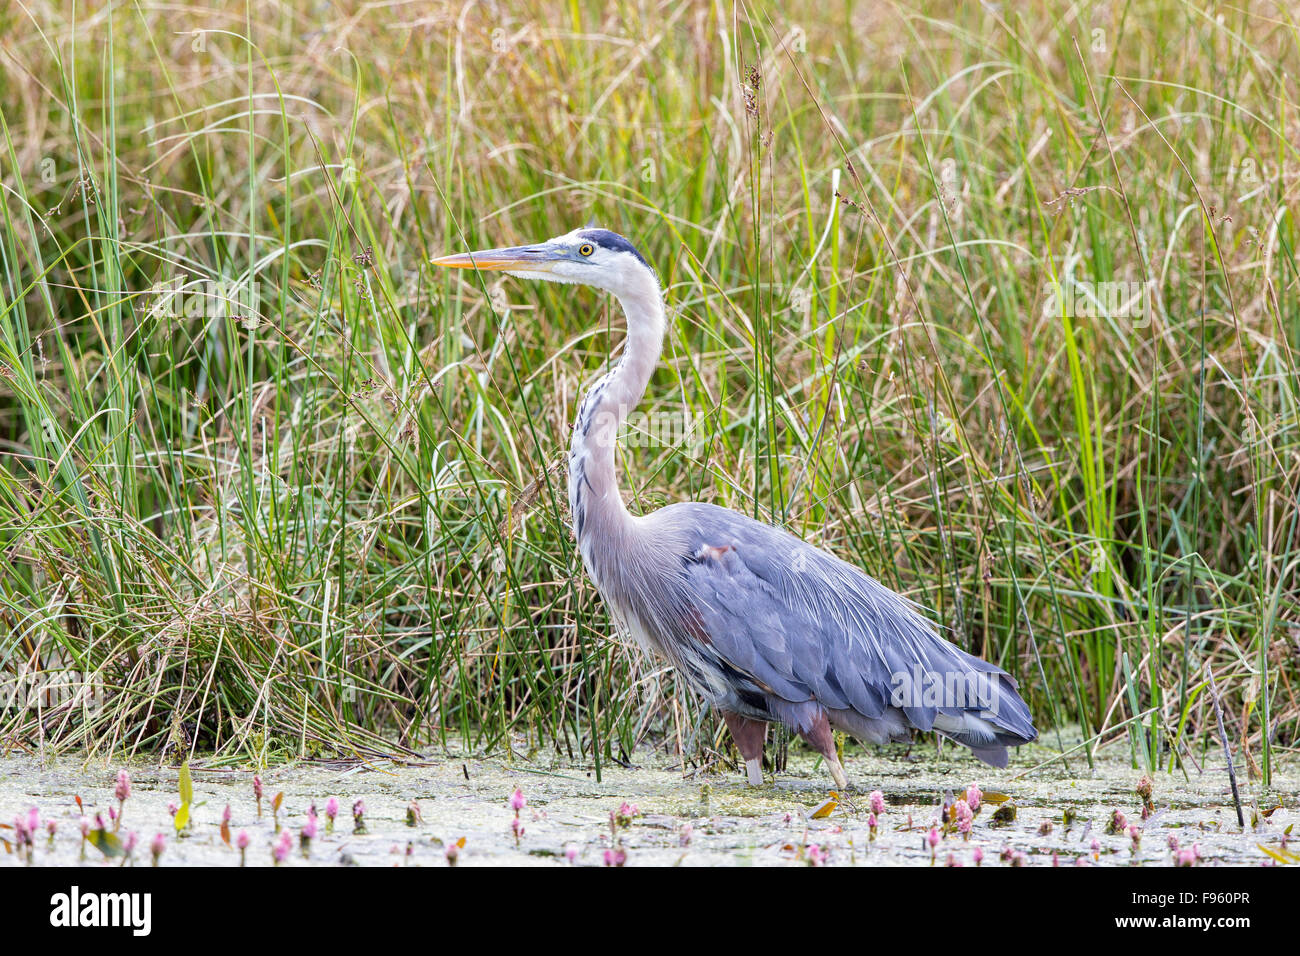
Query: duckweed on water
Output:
(429,814)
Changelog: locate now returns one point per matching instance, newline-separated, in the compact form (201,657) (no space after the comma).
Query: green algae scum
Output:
(462,811)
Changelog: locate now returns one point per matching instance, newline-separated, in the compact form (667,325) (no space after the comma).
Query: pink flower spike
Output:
(156,847)
(978,856)
(242,840)
(933,837)
(964,816)
(283,846)
(123,788)
(225,815)
(517,800)
(571,854)
(877,802)
(331,808)
(974,795)
(33,820)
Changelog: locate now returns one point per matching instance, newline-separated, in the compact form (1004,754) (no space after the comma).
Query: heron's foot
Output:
(754,771)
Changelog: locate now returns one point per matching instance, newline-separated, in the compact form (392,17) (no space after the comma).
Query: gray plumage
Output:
(764,626)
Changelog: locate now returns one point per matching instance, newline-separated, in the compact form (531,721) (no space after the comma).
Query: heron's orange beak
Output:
(529,258)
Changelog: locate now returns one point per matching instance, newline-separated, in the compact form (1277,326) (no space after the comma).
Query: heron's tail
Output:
(989,730)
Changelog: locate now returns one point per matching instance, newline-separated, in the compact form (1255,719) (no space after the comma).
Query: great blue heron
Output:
(763,625)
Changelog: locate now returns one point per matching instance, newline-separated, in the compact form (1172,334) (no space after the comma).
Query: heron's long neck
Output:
(594,498)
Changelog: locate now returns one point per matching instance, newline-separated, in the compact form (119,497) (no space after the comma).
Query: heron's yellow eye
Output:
(586,249)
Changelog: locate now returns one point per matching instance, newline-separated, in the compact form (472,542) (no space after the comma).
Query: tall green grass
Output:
(271,485)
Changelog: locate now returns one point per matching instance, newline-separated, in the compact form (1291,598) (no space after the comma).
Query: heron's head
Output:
(589,256)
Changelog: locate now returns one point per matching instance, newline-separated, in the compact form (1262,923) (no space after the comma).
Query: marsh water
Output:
(654,813)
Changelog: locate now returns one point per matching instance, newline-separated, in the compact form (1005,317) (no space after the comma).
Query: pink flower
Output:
(933,837)
(615,857)
(1186,858)
(1172,841)
(974,795)
(84,825)
(816,855)
(280,852)
(309,829)
(242,840)
(156,847)
(33,820)
(172,808)
(128,847)
(952,860)
(452,852)
(123,788)
(963,815)
(1135,834)
(571,854)
(978,856)
(517,827)
(518,801)
(225,815)
(331,808)
(877,802)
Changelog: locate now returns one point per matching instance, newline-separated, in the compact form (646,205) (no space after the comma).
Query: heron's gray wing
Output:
(809,626)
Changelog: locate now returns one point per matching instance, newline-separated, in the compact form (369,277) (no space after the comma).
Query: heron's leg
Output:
(749,736)
(820,736)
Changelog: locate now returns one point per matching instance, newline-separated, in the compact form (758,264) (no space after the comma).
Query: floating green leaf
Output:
(107,843)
